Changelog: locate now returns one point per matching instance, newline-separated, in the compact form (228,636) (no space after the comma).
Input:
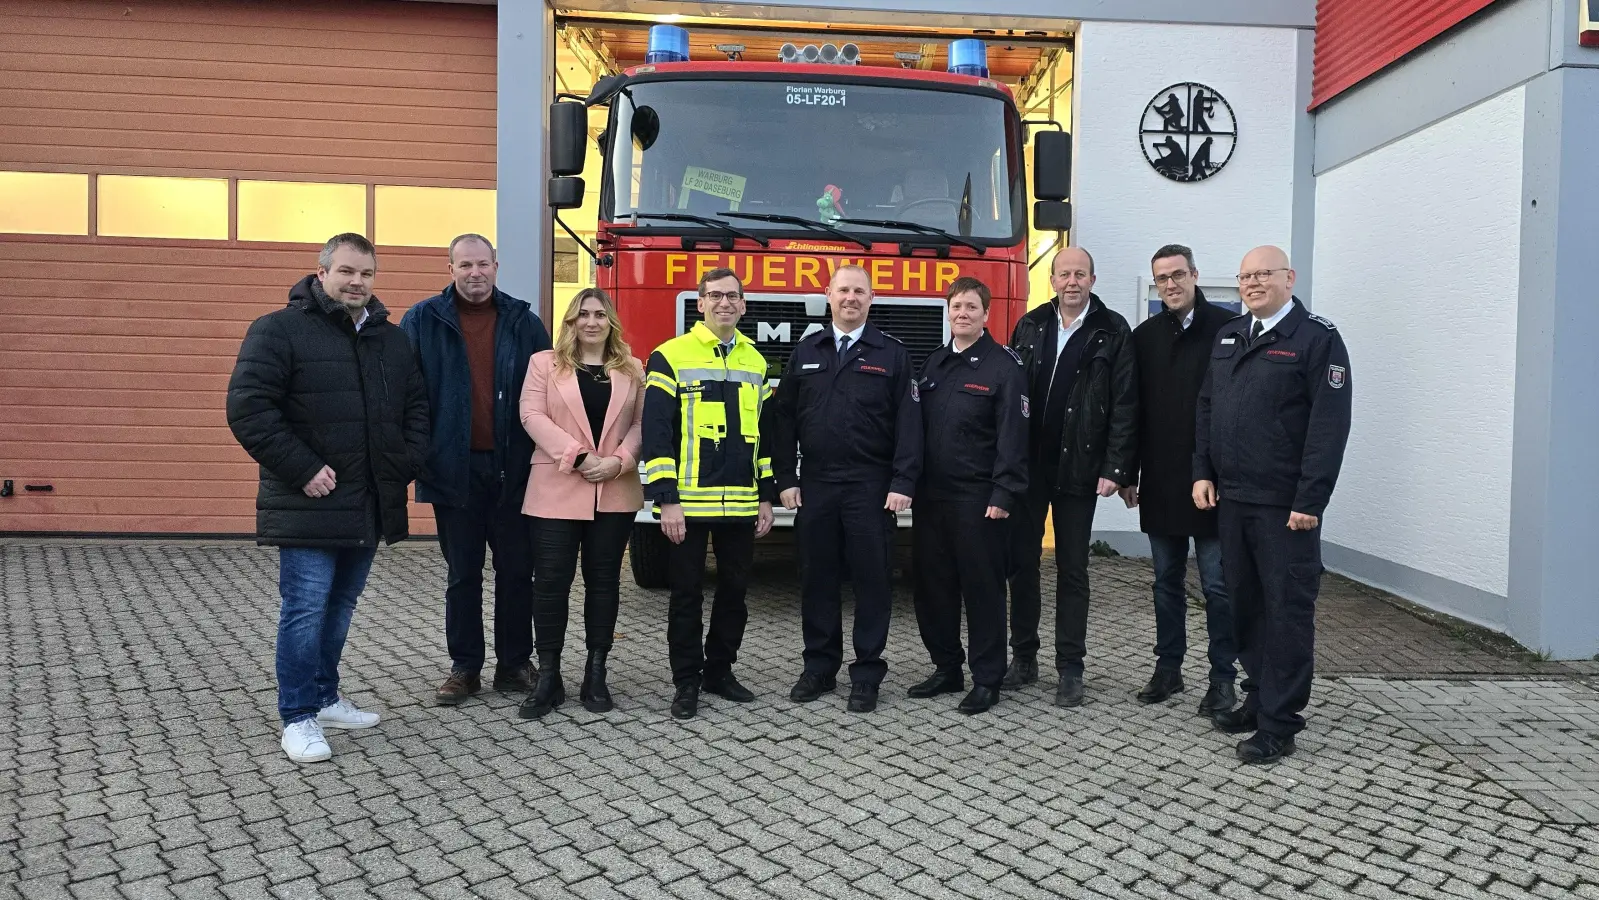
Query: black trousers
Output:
(557,544)
(692,651)
(1273,575)
(466,534)
(960,554)
(1074,529)
(838,523)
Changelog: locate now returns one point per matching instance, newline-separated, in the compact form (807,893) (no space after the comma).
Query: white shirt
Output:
(854,336)
(1189,319)
(361,321)
(1065,331)
(1268,324)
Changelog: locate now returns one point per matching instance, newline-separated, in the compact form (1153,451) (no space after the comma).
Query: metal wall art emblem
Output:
(1188,132)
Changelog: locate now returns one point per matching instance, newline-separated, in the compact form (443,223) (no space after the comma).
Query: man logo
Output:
(781,332)
(1188,132)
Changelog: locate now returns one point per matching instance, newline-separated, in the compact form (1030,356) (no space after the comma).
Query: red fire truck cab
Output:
(785,171)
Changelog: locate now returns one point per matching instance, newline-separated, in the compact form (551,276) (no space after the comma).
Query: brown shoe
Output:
(459,686)
(515,679)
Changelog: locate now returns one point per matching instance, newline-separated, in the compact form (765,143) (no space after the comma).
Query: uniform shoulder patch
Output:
(1013,354)
(1323,322)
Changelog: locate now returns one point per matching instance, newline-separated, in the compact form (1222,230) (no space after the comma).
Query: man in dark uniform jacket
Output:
(974,473)
(848,403)
(1173,351)
(1077,358)
(1272,422)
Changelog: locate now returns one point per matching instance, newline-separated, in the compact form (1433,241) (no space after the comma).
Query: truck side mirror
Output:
(1052,165)
(1052,215)
(568,134)
(605,89)
(565,192)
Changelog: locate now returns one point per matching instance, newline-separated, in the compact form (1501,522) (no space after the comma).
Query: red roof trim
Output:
(1356,39)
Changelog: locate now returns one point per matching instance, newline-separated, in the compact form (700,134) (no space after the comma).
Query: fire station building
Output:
(169,167)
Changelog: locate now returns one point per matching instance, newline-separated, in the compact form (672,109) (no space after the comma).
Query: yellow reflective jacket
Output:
(702,437)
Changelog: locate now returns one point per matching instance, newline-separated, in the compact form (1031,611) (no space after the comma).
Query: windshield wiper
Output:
(803,223)
(916,227)
(701,220)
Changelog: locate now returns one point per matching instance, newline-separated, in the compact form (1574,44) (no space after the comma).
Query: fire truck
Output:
(785,170)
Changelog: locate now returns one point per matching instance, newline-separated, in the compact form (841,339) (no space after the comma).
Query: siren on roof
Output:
(668,43)
(968,56)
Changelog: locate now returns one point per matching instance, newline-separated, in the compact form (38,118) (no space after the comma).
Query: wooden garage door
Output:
(115,350)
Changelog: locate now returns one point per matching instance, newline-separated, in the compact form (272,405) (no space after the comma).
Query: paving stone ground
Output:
(139,758)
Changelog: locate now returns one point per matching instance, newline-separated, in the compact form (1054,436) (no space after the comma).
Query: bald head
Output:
(1266,257)
(1071,275)
(1075,256)
(1265,281)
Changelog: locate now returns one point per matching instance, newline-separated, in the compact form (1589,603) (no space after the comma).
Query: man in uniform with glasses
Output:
(1272,422)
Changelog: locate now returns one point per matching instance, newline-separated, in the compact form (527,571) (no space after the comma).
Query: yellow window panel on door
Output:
(151,206)
(430,216)
(44,203)
(300,212)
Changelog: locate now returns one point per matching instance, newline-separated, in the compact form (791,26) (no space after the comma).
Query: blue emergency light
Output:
(668,43)
(968,56)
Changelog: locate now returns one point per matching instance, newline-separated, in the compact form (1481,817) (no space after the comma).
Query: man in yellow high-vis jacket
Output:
(711,479)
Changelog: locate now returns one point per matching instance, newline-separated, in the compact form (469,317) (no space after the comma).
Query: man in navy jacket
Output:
(473,342)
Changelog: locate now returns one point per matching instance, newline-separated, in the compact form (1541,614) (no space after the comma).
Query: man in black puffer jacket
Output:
(1077,356)
(327,397)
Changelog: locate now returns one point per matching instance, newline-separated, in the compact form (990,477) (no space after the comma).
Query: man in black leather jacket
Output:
(1077,357)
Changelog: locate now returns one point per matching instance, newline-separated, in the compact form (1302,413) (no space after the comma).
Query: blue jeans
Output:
(319,588)
(1169,553)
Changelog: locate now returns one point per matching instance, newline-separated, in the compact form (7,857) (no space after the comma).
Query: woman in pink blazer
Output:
(582,403)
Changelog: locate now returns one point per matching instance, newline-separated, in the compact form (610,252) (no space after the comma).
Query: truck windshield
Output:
(818,150)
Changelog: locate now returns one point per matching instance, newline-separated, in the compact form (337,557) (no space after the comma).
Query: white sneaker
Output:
(344,714)
(304,742)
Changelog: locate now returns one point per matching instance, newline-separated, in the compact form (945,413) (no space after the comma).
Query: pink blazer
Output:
(552,412)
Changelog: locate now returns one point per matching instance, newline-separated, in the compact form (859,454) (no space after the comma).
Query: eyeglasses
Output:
(1175,276)
(1258,276)
(719,296)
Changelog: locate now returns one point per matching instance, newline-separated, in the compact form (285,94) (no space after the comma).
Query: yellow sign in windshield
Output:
(709,181)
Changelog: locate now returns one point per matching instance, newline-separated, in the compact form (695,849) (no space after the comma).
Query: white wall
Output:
(1417,260)
(1124,210)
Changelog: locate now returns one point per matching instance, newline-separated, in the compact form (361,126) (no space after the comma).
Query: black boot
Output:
(1220,698)
(595,695)
(549,692)
(686,703)
(1162,685)
(1023,671)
